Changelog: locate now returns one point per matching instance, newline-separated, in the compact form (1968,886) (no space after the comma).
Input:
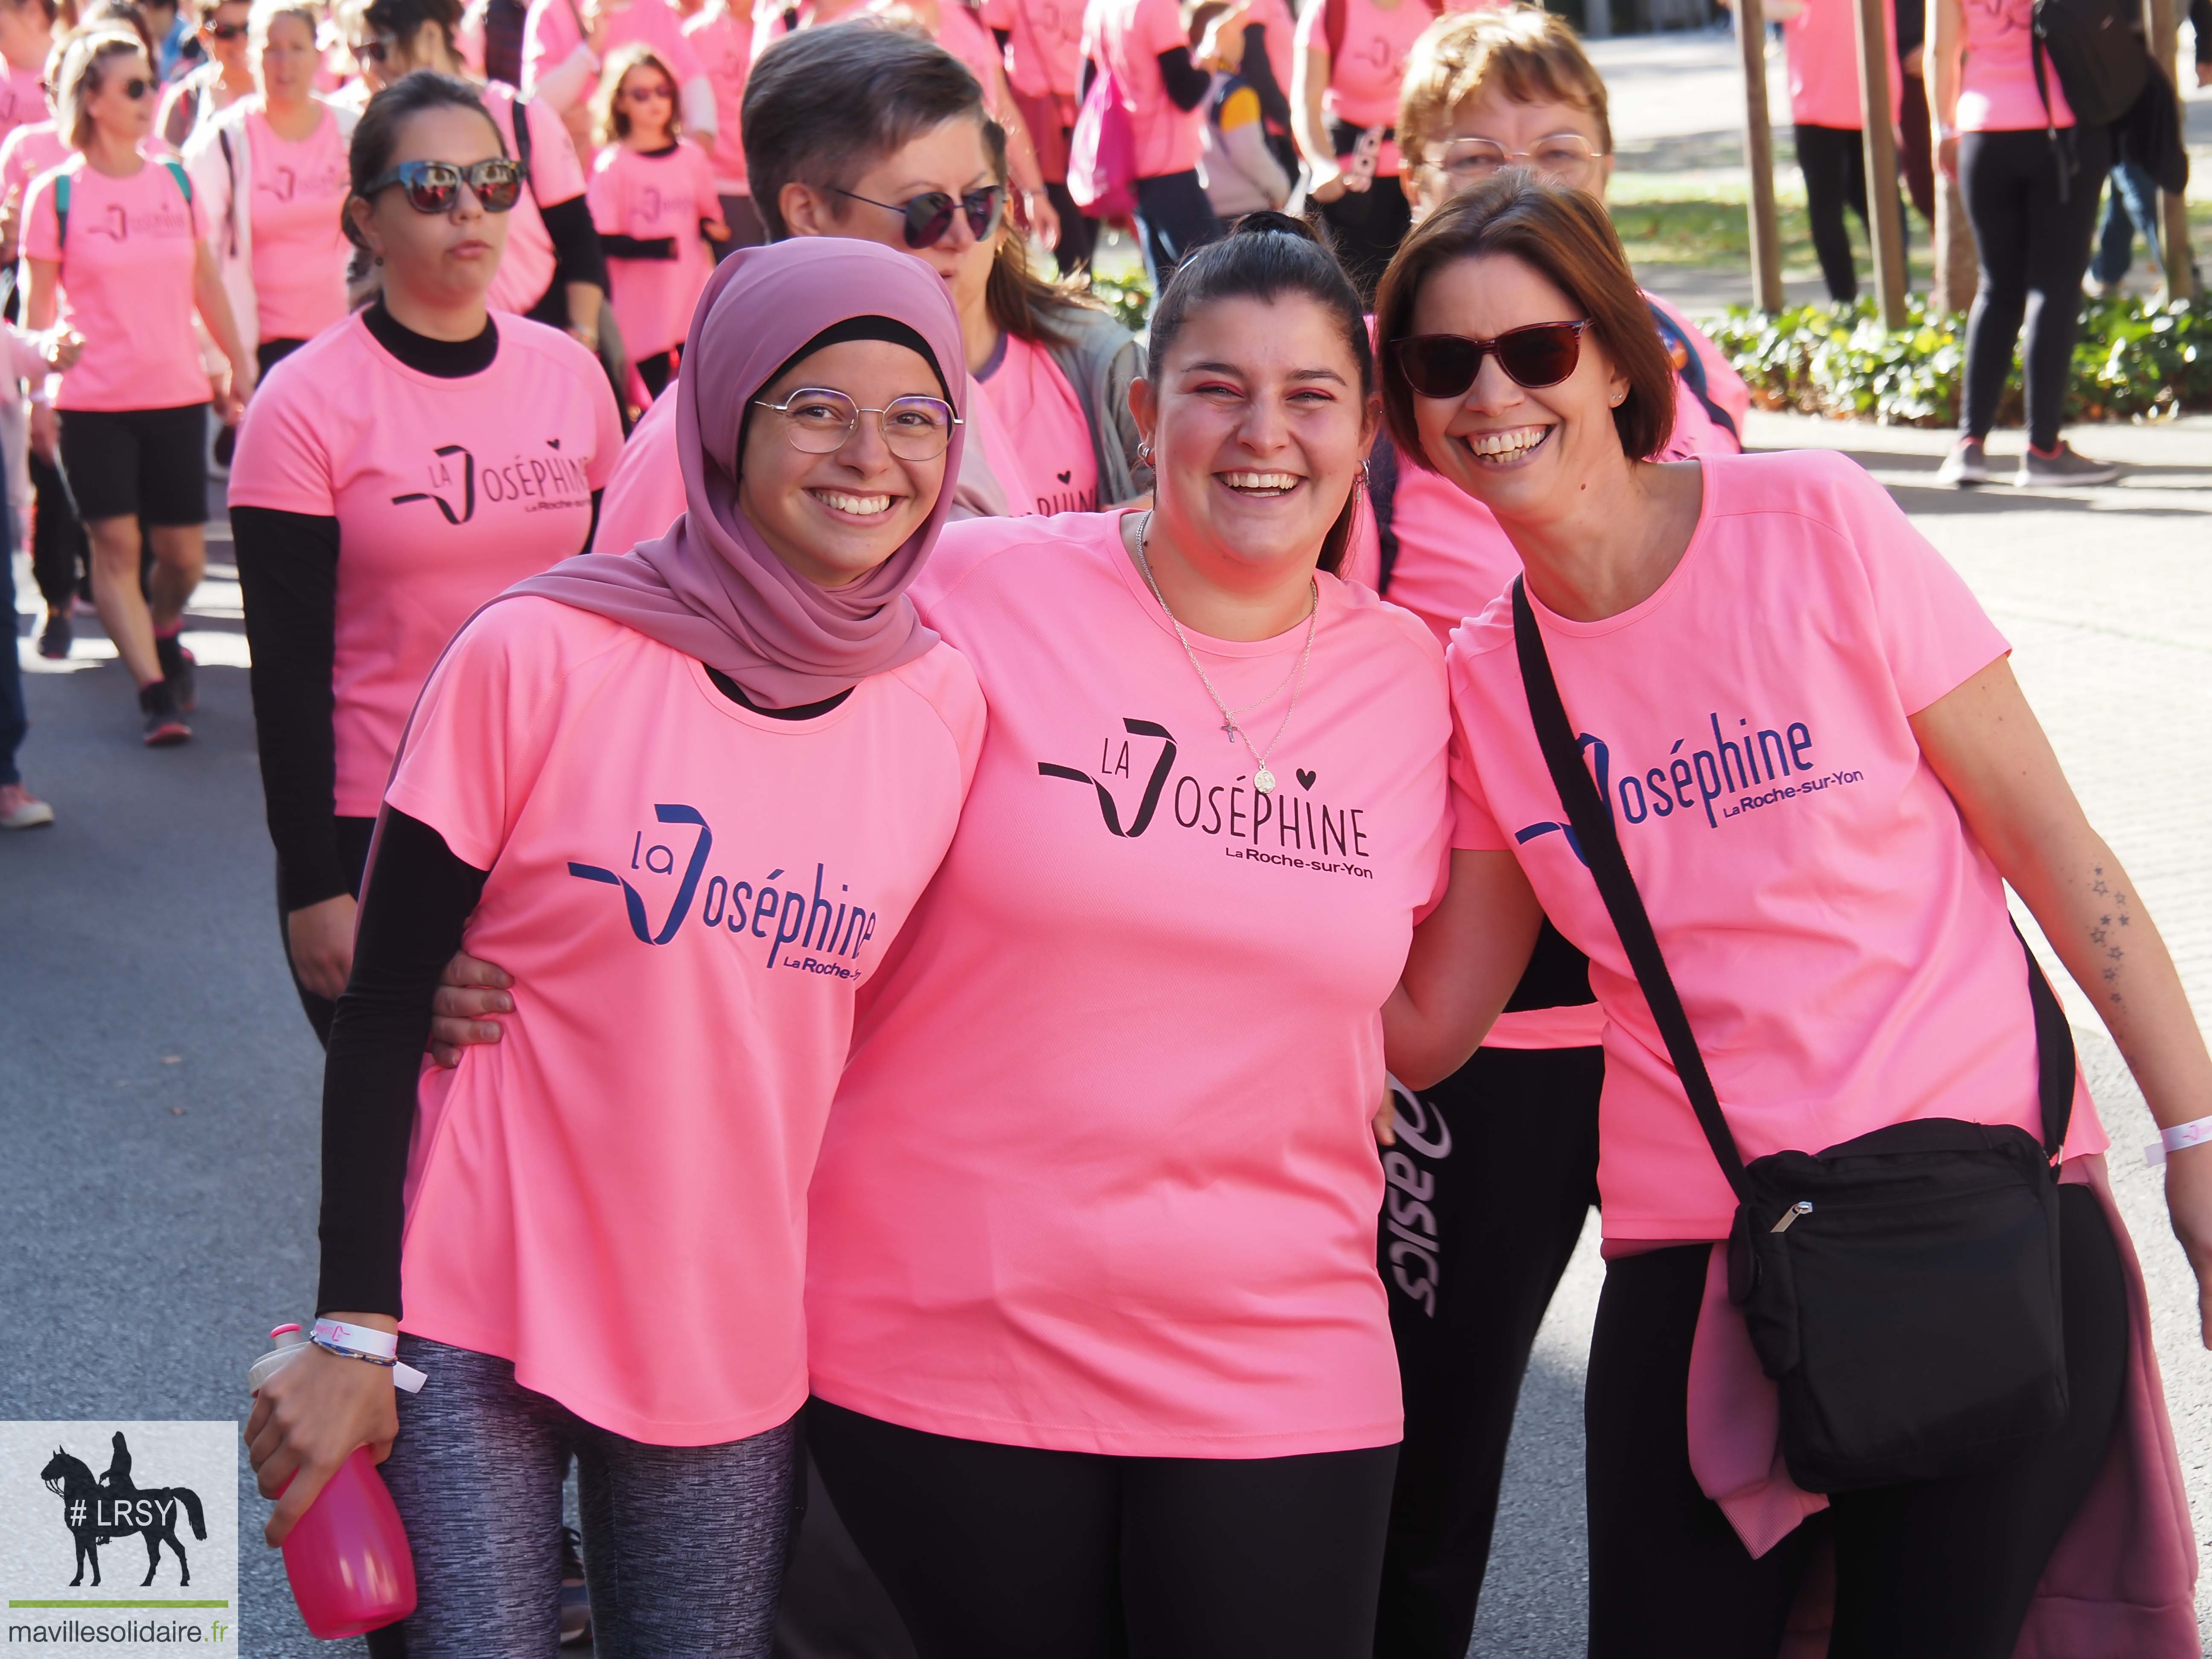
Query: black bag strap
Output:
(1599,844)
(1692,370)
(1383,501)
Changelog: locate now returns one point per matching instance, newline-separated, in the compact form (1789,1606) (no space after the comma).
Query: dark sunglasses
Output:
(1445,365)
(227,31)
(136,88)
(929,216)
(435,186)
(374,51)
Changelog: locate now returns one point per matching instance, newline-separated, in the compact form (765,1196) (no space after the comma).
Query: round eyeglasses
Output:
(820,421)
(1565,158)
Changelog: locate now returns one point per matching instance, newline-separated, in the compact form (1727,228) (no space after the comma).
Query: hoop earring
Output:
(1366,479)
(1143,451)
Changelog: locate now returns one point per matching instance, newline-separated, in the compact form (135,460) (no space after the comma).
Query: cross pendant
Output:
(1229,729)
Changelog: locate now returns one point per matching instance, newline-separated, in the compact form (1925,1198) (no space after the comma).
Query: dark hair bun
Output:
(1268,223)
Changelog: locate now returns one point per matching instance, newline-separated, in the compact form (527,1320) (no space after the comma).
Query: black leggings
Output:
(1833,161)
(2032,238)
(1493,1173)
(1939,1569)
(61,557)
(993,1551)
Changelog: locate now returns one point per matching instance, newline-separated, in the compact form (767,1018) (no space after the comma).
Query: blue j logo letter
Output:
(682,907)
(1602,763)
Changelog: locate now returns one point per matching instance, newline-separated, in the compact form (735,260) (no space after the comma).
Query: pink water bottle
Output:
(347,1557)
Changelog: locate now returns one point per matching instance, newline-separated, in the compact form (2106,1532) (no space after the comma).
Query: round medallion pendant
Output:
(1264,780)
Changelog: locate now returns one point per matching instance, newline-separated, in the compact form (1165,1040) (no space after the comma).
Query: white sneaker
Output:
(20,810)
(2061,467)
(1965,464)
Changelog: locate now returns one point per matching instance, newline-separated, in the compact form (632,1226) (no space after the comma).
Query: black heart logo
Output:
(1306,779)
(553,443)
(1064,477)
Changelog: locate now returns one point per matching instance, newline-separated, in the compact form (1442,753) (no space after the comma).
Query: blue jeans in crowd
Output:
(2130,205)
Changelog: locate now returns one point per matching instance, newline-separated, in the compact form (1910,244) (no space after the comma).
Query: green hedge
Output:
(2134,360)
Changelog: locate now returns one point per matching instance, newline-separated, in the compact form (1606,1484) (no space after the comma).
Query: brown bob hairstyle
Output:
(1565,236)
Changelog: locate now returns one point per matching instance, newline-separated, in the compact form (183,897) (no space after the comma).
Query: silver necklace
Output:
(1262,778)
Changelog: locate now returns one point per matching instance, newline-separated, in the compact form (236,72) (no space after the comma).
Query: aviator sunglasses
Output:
(434,186)
(1445,365)
(929,216)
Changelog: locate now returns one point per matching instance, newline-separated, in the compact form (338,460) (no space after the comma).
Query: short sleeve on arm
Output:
(41,239)
(556,173)
(1474,829)
(1933,631)
(1155,27)
(481,729)
(548,36)
(606,424)
(606,196)
(283,459)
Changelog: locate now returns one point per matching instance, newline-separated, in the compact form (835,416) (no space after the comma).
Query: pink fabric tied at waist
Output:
(2122,1584)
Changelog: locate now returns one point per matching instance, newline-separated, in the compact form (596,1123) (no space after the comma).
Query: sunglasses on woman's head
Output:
(929,216)
(435,186)
(1445,365)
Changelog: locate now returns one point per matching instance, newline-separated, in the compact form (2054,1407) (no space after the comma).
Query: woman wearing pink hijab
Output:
(688,795)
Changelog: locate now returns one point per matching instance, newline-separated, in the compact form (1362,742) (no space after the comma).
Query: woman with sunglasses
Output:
(654,200)
(206,91)
(114,244)
(868,132)
(552,271)
(1823,777)
(691,794)
(464,456)
(281,248)
(1483,91)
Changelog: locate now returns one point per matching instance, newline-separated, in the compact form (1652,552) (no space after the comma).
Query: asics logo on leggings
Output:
(1414,1250)
(827,928)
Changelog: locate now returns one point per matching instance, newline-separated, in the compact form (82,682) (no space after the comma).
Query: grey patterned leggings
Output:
(684,1546)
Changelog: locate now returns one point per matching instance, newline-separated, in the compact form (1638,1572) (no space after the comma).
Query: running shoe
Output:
(575,1596)
(1965,464)
(2062,466)
(179,671)
(21,810)
(56,636)
(164,723)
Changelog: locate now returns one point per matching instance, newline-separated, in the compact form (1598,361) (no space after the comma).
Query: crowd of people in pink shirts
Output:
(1179,868)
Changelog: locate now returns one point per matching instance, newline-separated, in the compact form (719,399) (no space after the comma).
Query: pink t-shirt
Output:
(1126,37)
(299,250)
(1043,424)
(614,1196)
(445,492)
(27,152)
(1101,1176)
(1365,78)
(1822,42)
(23,98)
(1996,86)
(650,197)
(722,36)
(525,270)
(552,31)
(1840,941)
(126,284)
(960,33)
(1045,45)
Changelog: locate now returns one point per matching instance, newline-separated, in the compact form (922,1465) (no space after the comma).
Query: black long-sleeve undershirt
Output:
(1185,84)
(637,248)
(415,903)
(1259,72)
(576,256)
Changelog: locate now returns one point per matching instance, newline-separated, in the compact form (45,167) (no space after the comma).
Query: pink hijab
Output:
(711,587)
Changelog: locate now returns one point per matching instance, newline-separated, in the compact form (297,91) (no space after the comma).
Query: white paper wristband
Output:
(2179,1136)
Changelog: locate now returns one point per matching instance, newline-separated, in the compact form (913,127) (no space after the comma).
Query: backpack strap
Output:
(2061,151)
(230,167)
(521,108)
(1692,372)
(177,172)
(61,213)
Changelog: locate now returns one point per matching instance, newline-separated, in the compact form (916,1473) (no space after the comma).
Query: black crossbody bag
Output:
(1901,1288)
